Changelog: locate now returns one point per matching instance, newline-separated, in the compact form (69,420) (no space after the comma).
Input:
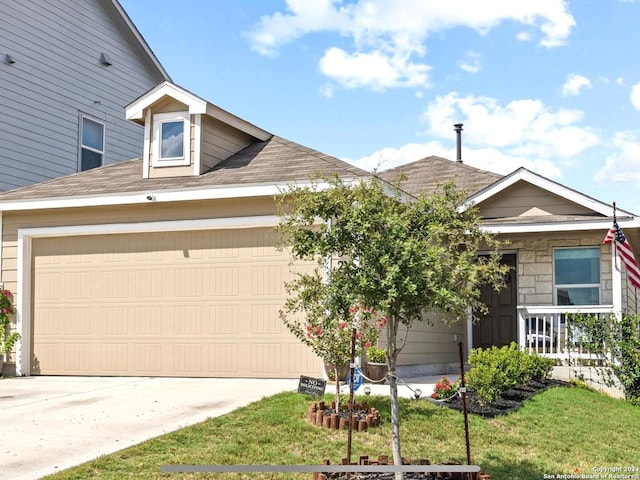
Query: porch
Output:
(548,330)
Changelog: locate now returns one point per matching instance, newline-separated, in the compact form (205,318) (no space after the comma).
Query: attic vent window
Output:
(170,137)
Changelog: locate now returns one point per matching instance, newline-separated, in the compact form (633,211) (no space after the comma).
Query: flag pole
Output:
(617,272)
(614,246)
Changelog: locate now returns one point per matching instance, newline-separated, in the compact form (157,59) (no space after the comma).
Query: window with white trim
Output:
(91,143)
(576,276)
(171,139)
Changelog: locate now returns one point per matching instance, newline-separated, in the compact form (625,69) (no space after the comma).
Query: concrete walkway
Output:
(53,423)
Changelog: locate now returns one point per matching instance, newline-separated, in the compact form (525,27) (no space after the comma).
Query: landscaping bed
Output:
(509,401)
(363,416)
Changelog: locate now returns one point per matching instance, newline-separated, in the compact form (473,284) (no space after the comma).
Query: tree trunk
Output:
(337,377)
(392,352)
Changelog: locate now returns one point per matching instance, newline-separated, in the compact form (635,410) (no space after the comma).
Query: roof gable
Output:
(560,199)
(135,111)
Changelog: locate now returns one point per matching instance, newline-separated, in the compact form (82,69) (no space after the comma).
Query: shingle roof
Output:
(275,161)
(424,175)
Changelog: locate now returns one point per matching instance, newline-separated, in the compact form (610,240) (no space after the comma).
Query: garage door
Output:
(201,303)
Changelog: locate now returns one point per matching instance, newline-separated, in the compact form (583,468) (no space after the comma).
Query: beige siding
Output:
(432,342)
(169,105)
(197,303)
(220,141)
(176,171)
(524,199)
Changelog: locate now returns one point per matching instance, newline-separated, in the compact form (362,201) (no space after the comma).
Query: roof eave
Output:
(126,22)
(148,196)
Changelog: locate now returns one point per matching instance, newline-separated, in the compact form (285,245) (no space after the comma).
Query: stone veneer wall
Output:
(535,263)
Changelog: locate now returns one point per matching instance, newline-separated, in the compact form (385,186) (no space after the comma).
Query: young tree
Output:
(400,255)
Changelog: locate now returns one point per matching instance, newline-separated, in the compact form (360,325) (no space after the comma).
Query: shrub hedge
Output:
(495,370)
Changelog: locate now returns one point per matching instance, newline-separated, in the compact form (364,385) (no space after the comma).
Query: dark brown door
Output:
(500,326)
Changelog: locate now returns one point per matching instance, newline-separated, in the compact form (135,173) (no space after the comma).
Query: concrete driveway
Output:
(49,424)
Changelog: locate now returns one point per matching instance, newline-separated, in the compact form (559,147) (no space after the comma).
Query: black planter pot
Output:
(376,371)
(343,372)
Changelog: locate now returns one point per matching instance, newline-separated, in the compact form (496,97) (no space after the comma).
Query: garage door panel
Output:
(223,319)
(200,303)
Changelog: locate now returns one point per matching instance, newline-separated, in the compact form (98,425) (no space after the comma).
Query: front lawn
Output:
(560,431)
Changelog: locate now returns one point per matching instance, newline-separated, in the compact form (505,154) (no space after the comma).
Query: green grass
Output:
(556,432)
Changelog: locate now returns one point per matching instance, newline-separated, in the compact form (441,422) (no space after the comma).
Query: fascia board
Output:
(159,196)
(135,110)
(603,225)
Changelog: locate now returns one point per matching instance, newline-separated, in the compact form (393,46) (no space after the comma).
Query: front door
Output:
(500,325)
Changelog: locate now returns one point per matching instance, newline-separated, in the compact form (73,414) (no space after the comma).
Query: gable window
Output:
(91,143)
(576,274)
(170,139)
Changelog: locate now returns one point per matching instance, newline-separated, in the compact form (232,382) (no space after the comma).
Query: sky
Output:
(549,85)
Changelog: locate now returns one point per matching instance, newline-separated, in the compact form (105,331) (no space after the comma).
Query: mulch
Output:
(510,401)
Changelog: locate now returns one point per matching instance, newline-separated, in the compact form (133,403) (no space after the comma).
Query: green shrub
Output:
(487,382)
(538,367)
(626,349)
(619,340)
(495,370)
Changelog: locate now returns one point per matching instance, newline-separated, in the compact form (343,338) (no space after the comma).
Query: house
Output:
(165,265)
(554,244)
(168,265)
(67,70)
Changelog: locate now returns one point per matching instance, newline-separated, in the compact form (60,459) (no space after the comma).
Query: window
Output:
(170,136)
(577,276)
(91,143)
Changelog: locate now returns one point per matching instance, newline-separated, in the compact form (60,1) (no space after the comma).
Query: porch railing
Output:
(548,330)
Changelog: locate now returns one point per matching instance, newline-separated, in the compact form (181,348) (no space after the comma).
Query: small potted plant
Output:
(7,338)
(376,367)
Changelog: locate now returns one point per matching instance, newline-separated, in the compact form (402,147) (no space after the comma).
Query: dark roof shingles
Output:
(275,161)
(426,174)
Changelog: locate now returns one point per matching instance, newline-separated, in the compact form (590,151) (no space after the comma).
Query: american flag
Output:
(625,252)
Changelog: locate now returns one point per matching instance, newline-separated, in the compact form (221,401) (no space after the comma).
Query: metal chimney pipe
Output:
(458,129)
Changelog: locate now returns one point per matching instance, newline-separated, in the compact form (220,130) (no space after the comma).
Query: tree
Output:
(322,317)
(400,255)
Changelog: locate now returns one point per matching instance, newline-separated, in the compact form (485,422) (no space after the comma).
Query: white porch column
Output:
(469,331)
(616,283)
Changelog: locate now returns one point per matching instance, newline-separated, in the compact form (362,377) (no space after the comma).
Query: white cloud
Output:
(393,34)
(471,62)
(524,37)
(327,90)
(635,96)
(522,128)
(624,164)
(574,84)
(374,69)
(498,138)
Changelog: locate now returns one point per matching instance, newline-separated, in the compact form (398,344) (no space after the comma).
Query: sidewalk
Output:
(407,387)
